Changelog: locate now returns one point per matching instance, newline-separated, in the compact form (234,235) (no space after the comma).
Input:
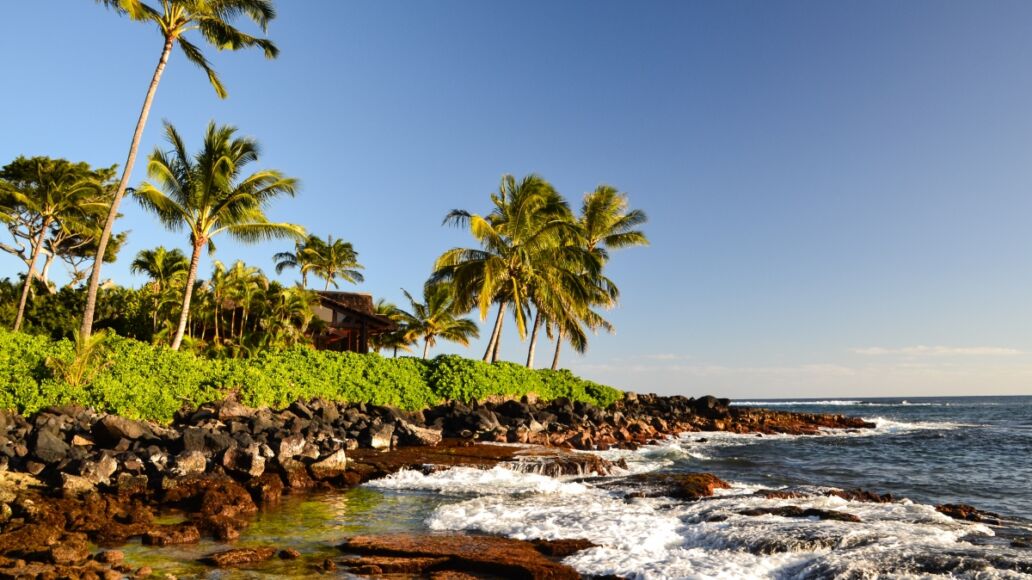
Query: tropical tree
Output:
(398,339)
(605,223)
(300,258)
(435,318)
(517,239)
(209,195)
(332,259)
(246,285)
(288,315)
(160,265)
(213,20)
(51,196)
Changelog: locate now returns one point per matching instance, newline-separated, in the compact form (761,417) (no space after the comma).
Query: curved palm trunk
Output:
(195,260)
(105,235)
(37,247)
(533,340)
(44,274)
(495,332)
(558,345)
(426,348)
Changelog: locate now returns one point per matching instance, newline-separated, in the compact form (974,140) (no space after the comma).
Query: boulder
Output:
(190,463)
(332,466)
(410,434)
(378,436)
(50,447)
(113,427)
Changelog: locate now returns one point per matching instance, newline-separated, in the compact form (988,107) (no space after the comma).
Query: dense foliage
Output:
(140,380)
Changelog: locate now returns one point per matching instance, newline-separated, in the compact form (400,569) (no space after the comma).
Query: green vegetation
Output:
(135,379)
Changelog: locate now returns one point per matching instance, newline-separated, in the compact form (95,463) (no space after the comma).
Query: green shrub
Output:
(139,380)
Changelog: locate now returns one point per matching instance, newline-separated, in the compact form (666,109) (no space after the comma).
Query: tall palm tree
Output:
(516,240)
(288,316)
(333,259)
(160,265)
(209,195)
(605,223)
(246,284)
(213,19)
(58,195)
(435,318)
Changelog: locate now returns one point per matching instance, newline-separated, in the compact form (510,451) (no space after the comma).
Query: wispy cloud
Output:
(922,350)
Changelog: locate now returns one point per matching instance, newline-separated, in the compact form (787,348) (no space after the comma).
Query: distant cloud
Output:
(921,350)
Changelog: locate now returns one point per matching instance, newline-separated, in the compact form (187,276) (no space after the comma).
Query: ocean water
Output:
(923,451)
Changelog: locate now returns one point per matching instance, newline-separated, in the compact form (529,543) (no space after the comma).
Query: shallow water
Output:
(928,451)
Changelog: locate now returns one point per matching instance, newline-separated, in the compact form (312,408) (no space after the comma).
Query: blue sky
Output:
(840,192)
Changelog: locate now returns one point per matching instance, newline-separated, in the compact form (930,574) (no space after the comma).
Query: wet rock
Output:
(239,557)
(376,565)
(171,535)
(561,548)
(247,461)
(686,486)
(792,511)
(295,474)
(860,495)
(111,557)
(74,485)
(504,557)
(289,554)
(968,513)
(266,489)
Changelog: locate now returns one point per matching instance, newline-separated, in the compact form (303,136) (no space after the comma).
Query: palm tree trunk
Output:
(395,352)
(327,288)
(494,333)
(498,343)
(217,313)
(195,260)
(105,235)
(426,347)
(533,340)
(36,248)
(558,344)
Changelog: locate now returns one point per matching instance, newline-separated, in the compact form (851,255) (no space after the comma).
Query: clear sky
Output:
(840,193)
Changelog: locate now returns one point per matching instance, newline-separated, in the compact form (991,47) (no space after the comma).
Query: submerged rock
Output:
(503,557)
(239,557)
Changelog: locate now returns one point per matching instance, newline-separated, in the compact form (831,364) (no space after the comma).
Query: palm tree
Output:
(516,238)
(435,318)
(300,258)
(398,339)
(246,283)
(605,223)
(209,195)
(332,259)
(160,265)
(58,195)
(288,316)
(213,20)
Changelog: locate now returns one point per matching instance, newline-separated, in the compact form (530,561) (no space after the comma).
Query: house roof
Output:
(357,305)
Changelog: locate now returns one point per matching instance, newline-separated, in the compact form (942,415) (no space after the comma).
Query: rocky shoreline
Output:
(70,477)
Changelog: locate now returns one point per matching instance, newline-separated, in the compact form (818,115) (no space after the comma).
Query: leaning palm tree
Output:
(528,220)
(333,259)
(209,195)
(435,318)
(213,19)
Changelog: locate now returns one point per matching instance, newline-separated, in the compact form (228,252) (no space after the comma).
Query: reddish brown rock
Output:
(969,513)
(500,556)
(860,495)
(172,535)
(239,557)
(369,565)
(561,548)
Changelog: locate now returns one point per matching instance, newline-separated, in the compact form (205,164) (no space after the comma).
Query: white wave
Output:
(795,403)
(469,480)
(660,538)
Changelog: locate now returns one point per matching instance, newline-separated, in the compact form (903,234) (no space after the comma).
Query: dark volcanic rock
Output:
(792,511)
(968,513)
(50,447)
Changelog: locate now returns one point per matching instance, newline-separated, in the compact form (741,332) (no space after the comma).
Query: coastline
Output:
(106,479)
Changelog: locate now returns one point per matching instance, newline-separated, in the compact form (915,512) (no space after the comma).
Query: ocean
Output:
(924,451)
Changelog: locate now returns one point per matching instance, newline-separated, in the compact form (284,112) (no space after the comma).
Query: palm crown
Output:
(209,194)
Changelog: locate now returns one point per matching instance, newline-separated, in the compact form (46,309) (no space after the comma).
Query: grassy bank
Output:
(138,380)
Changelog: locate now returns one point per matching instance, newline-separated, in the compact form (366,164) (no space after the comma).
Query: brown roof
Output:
(355,304)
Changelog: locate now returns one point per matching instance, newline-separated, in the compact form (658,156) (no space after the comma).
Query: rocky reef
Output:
(71,476)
